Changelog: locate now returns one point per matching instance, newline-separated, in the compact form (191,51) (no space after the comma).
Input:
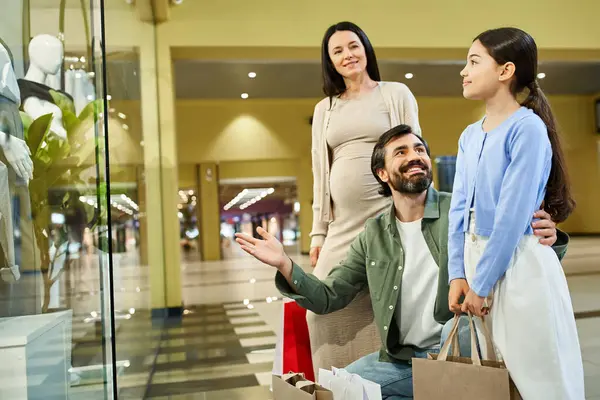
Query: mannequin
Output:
(46,56)
(11,128)
(16,153)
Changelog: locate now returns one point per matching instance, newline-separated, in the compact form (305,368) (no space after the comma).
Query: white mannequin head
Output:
(46,53)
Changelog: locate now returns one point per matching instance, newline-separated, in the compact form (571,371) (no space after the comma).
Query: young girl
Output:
(509,164)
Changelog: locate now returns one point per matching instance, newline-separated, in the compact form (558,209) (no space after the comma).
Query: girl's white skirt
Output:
(531,320)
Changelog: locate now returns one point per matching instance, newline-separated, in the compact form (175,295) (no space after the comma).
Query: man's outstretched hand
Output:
(269,250)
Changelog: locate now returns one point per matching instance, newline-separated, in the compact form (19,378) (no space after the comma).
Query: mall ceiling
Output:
(287,79)
(211,80)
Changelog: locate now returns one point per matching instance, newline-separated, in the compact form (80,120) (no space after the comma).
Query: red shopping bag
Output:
(293,343)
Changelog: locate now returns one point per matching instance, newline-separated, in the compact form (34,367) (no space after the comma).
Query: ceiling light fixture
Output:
(409,76)
(244,96)
(541,75)
(236,199)
(251,75)
(256,195)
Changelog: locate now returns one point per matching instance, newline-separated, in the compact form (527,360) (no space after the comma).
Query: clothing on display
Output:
(15,151)
(9,270)
(8,80)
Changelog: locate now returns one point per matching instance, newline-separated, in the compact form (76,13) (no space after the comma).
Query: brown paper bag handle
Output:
(489,343)
(474,351)
(305,386)
(455,346)
(453,339)
(291,374)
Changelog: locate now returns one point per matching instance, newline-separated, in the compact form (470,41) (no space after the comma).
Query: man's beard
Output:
(413,184)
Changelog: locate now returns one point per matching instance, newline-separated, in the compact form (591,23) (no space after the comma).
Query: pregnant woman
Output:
(346,125)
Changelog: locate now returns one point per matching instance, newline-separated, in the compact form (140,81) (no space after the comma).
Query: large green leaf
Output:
(38,188)
(92,110)
(54,175)
(63,102)
(81,136)
(37,131)
(76,134)
(70,120)
(57,149)
(27,120)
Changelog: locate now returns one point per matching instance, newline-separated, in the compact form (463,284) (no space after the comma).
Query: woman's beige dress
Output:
(355,125)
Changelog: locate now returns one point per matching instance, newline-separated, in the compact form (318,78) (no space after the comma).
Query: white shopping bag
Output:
(347,386)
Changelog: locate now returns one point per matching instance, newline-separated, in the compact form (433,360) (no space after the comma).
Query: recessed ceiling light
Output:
(251,75)
(244,96)
(409,76)
(541,75)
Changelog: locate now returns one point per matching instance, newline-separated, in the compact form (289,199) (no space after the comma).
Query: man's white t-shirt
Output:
(419,289)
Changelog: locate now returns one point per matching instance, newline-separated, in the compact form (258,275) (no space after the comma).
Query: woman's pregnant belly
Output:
(353,186)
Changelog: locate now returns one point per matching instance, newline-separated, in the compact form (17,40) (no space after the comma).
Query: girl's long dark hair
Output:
(516,46)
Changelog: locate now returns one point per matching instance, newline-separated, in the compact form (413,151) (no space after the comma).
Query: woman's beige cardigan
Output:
(403,109)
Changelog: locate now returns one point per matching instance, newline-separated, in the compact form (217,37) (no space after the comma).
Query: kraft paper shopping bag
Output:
(444,377)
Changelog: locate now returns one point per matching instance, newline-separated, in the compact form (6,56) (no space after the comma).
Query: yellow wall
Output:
(210,224)
(582,148)
(123,28)
(389,23)
(188,176)
(278,130)
(226,130)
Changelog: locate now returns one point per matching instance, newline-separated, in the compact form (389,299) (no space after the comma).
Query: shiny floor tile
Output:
(244,320)
(252,329)
(264,378)
(247,393)
(211,372)
(204,385)
(260,358)
(241,312)
(258,341)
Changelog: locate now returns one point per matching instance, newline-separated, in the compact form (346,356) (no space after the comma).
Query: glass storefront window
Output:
(56,302)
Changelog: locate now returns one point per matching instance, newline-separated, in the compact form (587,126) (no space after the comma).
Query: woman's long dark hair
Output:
(516,46)
(333,82)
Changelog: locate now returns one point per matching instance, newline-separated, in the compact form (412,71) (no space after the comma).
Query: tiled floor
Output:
(223,347)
